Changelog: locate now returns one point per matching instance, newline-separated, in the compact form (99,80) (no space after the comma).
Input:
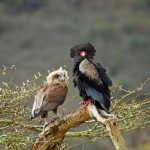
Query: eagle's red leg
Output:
(89,101)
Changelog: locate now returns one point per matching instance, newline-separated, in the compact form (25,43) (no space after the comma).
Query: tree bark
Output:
(111,125)
(52,136)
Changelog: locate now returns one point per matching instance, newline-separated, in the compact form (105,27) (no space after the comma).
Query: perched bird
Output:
(90,77)
(52,95)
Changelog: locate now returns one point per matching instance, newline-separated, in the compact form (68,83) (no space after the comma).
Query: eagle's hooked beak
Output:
(83,53)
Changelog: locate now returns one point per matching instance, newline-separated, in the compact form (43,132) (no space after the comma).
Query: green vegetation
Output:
(19,133)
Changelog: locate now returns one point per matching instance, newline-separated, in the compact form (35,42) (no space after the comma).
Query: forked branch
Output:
(53,135)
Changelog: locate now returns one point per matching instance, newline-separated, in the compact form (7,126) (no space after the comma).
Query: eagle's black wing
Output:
(94,73)
(102,73)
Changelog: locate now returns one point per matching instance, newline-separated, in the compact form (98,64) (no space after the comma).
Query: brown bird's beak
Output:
(61,78)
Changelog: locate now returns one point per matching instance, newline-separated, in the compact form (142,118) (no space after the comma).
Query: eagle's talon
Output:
(89,101)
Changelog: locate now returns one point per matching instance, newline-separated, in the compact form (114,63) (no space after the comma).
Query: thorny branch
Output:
(132,108)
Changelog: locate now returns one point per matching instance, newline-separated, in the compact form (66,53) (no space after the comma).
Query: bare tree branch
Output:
(53,135)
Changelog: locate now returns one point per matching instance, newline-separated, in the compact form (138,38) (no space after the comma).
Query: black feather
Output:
(88,87)
(74,51)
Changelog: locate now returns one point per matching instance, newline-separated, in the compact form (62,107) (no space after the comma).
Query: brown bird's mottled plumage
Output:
(51,96)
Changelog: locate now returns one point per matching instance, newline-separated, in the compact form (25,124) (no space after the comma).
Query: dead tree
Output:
(52,136)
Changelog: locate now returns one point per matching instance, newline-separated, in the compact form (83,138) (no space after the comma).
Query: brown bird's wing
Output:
(38,101)
(49,98)
(55,94)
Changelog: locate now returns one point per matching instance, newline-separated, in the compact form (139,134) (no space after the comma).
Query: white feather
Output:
(37,101)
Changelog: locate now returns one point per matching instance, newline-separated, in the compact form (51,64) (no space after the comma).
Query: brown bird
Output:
(52,95)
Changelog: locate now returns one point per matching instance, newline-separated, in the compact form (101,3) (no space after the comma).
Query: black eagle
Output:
(90,77)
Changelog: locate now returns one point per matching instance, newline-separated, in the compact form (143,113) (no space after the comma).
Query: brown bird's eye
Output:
(56,76)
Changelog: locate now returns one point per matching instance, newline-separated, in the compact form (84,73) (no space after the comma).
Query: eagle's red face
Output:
(83,53)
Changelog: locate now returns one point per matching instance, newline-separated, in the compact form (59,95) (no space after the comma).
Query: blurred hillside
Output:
(36,35)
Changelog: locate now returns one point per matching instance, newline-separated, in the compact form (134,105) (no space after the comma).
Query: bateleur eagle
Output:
(90,77)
